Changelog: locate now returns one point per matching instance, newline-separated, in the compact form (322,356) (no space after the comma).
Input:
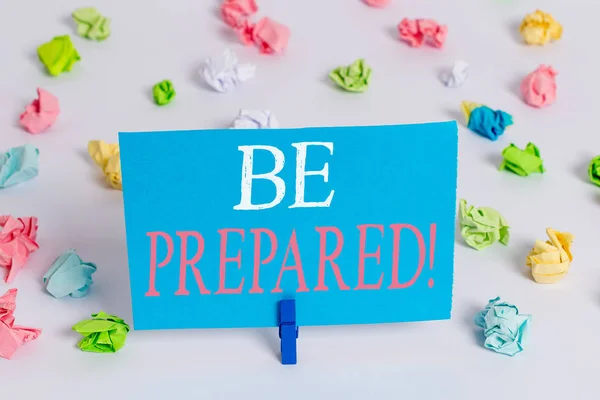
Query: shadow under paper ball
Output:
(513,27)
(494,159)
(469,320)
(514,87)
(581,169)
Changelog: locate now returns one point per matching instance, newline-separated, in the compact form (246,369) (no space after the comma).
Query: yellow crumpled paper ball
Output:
(550,261)
(107,157)
(540,28)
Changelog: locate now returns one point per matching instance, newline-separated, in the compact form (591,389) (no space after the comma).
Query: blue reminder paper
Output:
(356,224)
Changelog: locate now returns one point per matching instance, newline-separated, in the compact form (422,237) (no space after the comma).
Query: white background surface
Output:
(109,91)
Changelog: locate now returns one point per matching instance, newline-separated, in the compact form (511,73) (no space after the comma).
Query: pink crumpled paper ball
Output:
(17,242)
(12,336)
(269,36)
(246,32)
(235,12)
(377,3)
(539,87)
(41,113)
(418,31)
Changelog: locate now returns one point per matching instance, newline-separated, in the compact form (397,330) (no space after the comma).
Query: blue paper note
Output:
(18,165)
(356,224)
(69,276)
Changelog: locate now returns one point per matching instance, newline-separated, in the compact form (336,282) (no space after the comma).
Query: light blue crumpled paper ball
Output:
(18,165)
(505,330)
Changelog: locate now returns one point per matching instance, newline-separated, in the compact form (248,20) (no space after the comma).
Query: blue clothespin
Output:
(288,331)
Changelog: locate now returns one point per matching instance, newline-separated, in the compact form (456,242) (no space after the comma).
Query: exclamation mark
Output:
(431,251)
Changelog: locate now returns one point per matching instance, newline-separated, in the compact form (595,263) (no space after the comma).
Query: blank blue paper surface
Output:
(382,176)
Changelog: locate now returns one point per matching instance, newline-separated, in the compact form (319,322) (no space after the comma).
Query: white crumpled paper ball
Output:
(224,73)
(255,119)
(457,76)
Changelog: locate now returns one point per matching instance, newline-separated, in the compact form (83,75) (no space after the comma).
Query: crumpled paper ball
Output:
(457,76)
(235,12)
(550,261)
(522,162)
(17,242)
(539,87)
(482,226)
(270,36)
(41,113)
(108,158)
(540,28)
(12,336)
(69,275)
(594,171)
(58,55)
(246,32)
(91,24)
(485,121)
(104,333)
(163,92)
(415,32)
(255,119)
(377,3)
(18,165)
(505,330)
(224,73)
(354,77)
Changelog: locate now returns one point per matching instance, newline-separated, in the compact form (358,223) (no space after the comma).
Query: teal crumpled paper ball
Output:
(489,123)
(18,165)
(69,275)
(505,330)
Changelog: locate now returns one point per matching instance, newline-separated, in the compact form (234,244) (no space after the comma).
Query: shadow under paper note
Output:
(111,291)
(457,115)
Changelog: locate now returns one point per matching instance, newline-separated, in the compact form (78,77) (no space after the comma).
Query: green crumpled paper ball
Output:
(58,55)
(91,24)
(104,333)
(482,226)
(353,78)
(594,171)
(522,162)
(163,92)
